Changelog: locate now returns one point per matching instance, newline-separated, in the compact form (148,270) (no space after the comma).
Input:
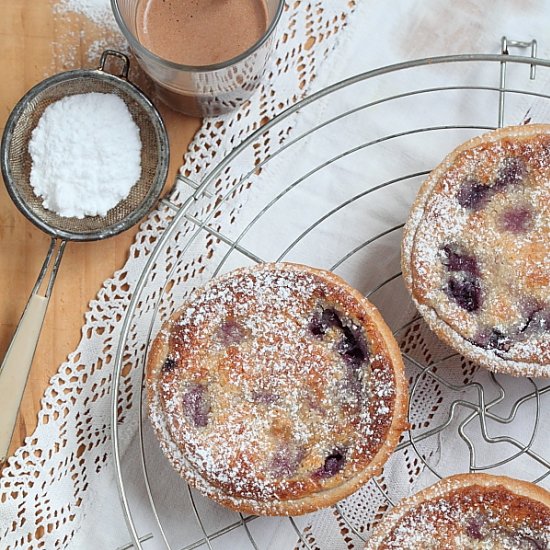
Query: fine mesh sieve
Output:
(16,160)
(16,167)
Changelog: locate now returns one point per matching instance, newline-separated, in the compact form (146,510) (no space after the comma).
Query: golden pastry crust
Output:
(277,389)
(476,250)
(468,512)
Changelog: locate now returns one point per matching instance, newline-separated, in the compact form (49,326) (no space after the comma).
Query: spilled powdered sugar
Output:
(80,40)
(98,11)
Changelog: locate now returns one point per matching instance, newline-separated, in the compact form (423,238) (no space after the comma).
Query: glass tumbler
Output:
(204,90)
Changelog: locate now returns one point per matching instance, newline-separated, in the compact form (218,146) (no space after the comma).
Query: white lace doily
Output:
(47,491)
(62,478)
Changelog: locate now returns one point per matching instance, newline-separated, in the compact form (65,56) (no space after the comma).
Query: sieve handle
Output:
(124,58)
(16,365)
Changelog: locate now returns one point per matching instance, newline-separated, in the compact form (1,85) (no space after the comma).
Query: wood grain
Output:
(36,42)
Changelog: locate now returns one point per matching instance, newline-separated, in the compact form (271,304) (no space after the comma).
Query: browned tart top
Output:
(276,383)
(477,250)
(469,512)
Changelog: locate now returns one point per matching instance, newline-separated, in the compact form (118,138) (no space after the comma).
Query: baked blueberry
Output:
(455,259)
(473,195)
(322,320)
(512,172)
(196,404)
(231,332)
(516,220)
(473,527)
(333,464)
(465,291)
(168,365)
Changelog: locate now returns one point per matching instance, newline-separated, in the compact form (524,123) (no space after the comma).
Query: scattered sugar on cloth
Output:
(86,155)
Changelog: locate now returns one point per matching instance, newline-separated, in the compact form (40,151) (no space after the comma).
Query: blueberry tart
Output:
(468,512)
(476,250)
(276,389)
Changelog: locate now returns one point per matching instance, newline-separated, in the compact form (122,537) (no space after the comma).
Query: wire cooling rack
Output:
(453,404)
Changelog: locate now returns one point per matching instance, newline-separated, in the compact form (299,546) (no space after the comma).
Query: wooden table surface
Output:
(36,42)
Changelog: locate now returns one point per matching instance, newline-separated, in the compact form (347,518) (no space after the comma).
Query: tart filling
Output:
(276,384)
(470,512)
(476,253)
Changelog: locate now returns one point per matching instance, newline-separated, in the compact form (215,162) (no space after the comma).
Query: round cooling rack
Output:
(329,183)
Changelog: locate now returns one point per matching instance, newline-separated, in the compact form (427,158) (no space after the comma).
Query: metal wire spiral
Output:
(477,404)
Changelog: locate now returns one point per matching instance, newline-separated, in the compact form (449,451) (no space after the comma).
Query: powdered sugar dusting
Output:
(98,46)
(468,517)
(508,235)
(290,413)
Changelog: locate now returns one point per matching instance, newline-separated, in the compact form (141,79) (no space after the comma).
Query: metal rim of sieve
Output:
(114,222)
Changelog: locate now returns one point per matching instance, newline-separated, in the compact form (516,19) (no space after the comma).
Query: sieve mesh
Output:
(16,160)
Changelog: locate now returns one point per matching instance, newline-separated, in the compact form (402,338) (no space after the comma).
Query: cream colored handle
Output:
(16,365)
